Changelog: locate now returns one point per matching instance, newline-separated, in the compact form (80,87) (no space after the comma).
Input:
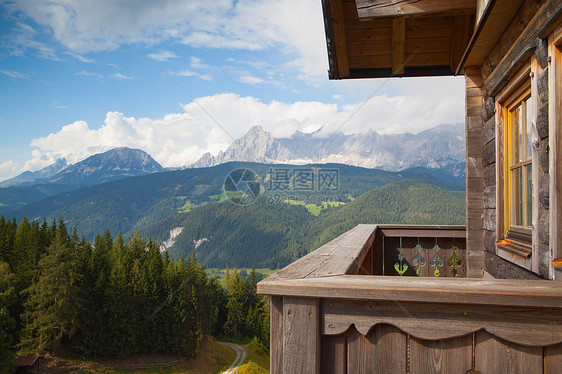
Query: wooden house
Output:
(480,298)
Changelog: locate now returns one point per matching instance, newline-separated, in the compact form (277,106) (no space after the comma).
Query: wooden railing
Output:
(328,315)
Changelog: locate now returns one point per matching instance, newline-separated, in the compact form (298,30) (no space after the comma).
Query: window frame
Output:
(521,233)
(514,244)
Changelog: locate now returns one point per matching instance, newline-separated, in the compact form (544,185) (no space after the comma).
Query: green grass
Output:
(257,361)
(315,209)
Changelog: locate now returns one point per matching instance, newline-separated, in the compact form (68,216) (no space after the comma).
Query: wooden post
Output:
(276,334)
(301,335)
(474,174)
(398,45)
(555,146)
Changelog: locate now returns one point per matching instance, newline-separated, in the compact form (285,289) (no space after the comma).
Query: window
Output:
(519,163)
(518,201)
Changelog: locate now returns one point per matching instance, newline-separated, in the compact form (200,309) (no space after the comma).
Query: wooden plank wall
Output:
(474,174)
(370,41)
(386,349)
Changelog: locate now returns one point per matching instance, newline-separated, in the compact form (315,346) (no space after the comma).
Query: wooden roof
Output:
(386,38)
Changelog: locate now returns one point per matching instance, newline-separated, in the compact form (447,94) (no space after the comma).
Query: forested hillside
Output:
(112,298)
(273,235)
(131,204)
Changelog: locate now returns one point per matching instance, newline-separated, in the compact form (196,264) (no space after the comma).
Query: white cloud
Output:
(80,58)
(8,169)
(197,63)
(163,55)
(85,73)
(22,39)
(250,79)
(294,27)
(189,73)
(209,124)
(121,76)
(14,74)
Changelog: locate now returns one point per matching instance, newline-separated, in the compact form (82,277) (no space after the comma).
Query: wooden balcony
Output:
(394,299)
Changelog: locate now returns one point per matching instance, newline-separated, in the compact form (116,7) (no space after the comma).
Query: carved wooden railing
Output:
(328,315)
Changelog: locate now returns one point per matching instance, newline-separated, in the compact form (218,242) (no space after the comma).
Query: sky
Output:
(178,78)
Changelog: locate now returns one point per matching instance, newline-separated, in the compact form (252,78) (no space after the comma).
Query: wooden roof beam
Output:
(338,29)
(398,45)
(388,8)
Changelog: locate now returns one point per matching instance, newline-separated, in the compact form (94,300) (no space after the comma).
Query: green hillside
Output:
(273,235)
(132,204)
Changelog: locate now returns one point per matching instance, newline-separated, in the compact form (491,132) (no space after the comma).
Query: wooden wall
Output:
(474,173)
(386,349)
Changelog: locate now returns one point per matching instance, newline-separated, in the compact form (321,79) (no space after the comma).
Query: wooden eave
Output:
(494,21)
(417,42)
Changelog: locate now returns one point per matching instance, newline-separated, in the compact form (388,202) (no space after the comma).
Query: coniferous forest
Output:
(62,294)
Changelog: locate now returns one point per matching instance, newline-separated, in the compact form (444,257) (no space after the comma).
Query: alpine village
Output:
(317,288)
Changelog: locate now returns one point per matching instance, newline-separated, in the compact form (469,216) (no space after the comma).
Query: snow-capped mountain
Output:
(436,148)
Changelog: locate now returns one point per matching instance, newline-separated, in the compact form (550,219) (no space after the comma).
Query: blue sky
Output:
(179,78)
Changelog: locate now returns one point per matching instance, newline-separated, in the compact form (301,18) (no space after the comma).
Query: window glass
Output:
(529,126)
(529,197)
(517,197)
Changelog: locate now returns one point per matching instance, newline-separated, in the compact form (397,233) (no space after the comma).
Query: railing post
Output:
(301,335)
(276,334)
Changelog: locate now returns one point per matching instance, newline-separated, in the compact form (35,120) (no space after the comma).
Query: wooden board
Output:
(398,45)
(441,356)
(515,292)
(334,354)
(301,335)
(555,145)
(276,334)
(494,355)
(528,326)
(552,359)
(390,349)
(474,177)
(389,8)
(338,29)
(360,353)
(524,47)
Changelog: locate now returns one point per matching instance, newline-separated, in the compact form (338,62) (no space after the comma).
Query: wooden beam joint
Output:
(398,45)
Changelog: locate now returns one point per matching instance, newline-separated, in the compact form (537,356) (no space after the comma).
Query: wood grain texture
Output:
(552,359)
(334,354)
(494,355)
(514,292)
(301,335)
(474,176)
(390,346)
(431,321)
(378,8)
(441,356)
(360,352)
(338,29)
(398,45)
(525,44)
(342,255)
(555,146)
(276,334)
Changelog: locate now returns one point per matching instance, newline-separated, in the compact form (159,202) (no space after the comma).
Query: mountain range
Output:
(115,164)
(442,147)
(125,190)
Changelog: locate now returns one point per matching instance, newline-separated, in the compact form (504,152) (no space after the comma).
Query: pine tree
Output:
(7,322)
(54,300)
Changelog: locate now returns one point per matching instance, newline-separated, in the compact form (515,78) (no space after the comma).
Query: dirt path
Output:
(240,357)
